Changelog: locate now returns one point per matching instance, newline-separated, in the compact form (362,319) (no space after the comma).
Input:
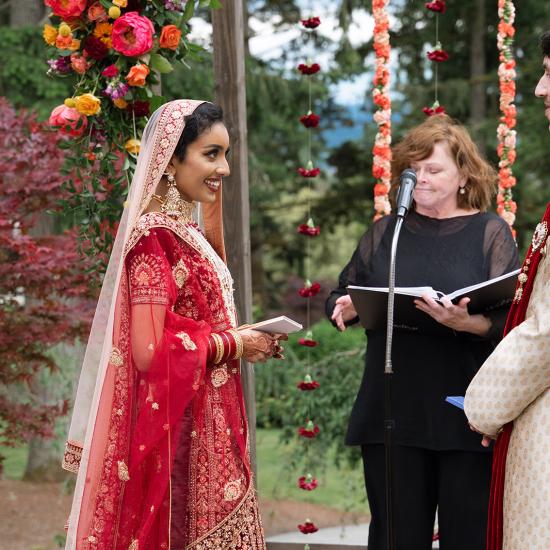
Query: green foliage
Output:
(23,70)
(337,363)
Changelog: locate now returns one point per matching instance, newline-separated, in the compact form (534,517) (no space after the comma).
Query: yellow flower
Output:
(75,45)
(70,102)
(103,32)
(120,103)
(132,146)
(64,29)
(87,104)
(114,12)
(49,34)
(120,3)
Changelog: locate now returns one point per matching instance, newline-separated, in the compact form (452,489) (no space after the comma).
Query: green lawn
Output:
(15,462)
(338,488)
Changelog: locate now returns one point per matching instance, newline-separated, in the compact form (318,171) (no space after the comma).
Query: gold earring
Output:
(173,204)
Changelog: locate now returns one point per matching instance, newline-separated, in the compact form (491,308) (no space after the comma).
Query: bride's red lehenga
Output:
(167,463)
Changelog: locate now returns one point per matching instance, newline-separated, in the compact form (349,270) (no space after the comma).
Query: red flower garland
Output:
(310,120)
(308,384)
(309,290)
(305,173)
(308,342)
(307,483)
(437,5)
(435,109)
(311,22)
(438,55)
(309,69)
(310,431)
(308,527)
(309,229)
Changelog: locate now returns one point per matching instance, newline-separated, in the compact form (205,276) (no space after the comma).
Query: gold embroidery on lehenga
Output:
(180,273)
(123,474)
(219,376)
(115,358)
(241,530)
(147,281)
(72,456)
(232,490)
(188,344)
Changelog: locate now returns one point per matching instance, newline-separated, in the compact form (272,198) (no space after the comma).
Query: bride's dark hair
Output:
(201,119)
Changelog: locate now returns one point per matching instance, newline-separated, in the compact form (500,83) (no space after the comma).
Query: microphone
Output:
(407,183)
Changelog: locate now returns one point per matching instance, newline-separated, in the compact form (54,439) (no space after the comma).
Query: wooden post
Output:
(230,94)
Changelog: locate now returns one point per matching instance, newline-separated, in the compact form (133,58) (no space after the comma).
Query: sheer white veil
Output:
(158,143)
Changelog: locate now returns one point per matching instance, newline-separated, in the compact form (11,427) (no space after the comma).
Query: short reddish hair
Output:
(418,144)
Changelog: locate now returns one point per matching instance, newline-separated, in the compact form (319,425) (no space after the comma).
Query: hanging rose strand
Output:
(309,290)
(506,134)
(437,55)
(381,169)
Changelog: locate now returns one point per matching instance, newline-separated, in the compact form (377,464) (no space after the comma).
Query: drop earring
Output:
(173,205)
(462,190)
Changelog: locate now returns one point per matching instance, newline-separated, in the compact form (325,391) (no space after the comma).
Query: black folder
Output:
(371,303)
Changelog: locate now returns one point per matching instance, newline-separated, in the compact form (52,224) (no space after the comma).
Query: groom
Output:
(510,395)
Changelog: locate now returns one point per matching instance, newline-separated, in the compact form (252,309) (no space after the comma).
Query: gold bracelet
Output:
(238,342)
(219,348)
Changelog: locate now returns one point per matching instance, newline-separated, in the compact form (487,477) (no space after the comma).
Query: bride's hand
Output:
(260,346)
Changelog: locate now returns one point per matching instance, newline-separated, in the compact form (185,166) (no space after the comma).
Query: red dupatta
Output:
(516,316)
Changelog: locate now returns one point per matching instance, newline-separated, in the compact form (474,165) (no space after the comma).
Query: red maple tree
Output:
(45,295)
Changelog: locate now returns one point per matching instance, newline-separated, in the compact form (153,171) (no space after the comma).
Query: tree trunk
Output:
(26,12)
(478,101)
(230,93)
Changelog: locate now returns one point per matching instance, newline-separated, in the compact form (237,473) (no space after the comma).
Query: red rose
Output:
(438,56)
(309,230)
(308,342)
(110,71)
(308,483)
(305,173)
(437,5)
(311,23)
(308,385)
(308,527)
(309,433)
(311,120)
(431,111)
(95,48)
(309,291)
(309,69)
(139,108)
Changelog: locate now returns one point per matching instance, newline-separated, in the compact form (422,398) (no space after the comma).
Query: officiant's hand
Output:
(261,346)
(486,439)
(343,311)
(454,316)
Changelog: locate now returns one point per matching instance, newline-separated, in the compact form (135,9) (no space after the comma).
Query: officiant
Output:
(448,241)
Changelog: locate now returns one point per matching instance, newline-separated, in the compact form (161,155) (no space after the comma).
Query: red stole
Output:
(515,317)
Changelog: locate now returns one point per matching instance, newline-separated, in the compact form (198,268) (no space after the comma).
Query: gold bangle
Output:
(219,348)
(238,342)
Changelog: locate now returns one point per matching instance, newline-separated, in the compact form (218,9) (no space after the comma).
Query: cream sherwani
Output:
(513,384)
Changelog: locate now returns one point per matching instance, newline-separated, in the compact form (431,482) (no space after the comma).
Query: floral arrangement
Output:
(116,50)
(506,134)
(381,169)
(310,121)
(437,55)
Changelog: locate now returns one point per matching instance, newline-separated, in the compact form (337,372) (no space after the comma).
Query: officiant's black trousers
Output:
(456,483)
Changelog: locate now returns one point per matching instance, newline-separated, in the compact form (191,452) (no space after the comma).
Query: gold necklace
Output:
(176,208)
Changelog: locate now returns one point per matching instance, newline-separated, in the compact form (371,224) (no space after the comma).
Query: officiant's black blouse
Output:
(446,254)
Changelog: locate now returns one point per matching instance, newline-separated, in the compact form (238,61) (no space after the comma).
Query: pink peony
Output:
(132,34)
(69,120)
(67,8)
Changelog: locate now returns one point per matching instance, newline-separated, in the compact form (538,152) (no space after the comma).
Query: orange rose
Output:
(137,75)
(170,37)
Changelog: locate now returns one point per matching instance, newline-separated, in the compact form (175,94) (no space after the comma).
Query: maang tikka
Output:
(173,204)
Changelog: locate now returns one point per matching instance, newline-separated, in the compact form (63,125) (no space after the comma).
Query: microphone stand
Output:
(389,422)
